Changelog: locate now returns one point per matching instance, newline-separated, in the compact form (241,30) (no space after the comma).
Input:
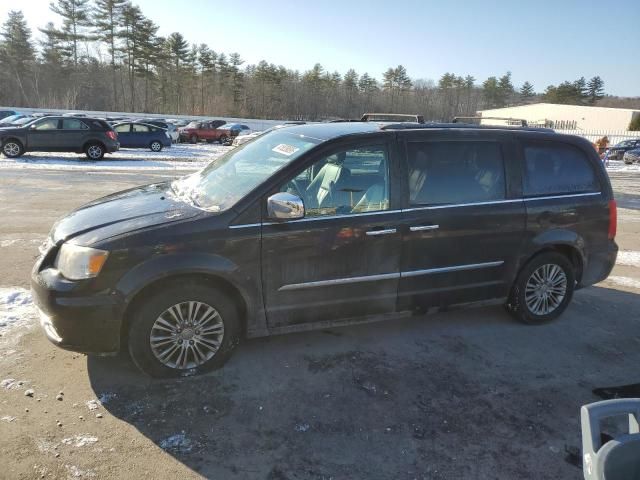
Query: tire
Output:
(12,149)
(155,146)
(145,324)
(94,151)
(524,297)
(193,139)
(223,139)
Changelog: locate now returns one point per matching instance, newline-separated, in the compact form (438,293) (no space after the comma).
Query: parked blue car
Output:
(142,135)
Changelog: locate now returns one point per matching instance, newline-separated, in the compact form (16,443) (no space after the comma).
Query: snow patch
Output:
(8,419)
(102,399)
(75,472)
(178,157)
(9,242)
(629,258)
(625,282)
(620,166)
(80,440)
(178,443)
(17,312)
(12,384)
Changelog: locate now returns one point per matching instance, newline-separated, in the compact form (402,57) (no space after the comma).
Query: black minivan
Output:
(325,224)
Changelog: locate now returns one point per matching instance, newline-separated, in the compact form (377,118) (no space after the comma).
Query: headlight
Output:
(76,263)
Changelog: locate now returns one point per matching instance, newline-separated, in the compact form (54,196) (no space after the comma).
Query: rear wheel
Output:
(223,139)
(94,151)
(12,149)
(543,289)
(155,146)
(183,330)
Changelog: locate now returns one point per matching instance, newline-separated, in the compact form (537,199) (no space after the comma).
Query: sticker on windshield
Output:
(285,149)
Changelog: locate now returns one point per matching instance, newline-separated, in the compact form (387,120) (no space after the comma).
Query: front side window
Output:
(123,128)
(48,124)
(348,181)
(73,124)
(228,179)
(443,173)
(552,169)
(140,128)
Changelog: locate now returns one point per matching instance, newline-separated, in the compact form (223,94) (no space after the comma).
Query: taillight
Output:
(111,134)
(613,219)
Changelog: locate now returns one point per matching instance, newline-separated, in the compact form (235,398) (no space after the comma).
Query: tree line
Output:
(107,55)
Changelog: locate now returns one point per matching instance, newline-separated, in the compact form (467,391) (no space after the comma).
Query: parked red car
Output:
(209,131)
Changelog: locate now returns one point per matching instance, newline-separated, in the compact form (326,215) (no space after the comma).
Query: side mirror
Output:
(285,206)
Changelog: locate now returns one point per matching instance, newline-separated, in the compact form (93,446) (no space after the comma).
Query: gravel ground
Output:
(462,394)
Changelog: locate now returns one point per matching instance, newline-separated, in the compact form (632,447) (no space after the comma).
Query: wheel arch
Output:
(94,141)
(217,272)
(565,242)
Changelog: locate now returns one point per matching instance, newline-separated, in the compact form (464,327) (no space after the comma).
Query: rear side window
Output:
(442,173)
(73,124)
(556,169)
(140,128)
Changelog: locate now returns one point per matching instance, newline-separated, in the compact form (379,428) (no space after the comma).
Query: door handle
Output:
(421,228)
(387,231)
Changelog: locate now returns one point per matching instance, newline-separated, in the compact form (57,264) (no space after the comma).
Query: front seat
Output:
(325,189)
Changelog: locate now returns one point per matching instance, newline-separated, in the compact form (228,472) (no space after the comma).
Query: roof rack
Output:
(392,117)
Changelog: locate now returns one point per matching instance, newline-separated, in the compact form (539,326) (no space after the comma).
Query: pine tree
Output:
(595,89)
(178,52)
(16,50)
(132,37)
(505,89)
(75,19)
(491,92)
(237,78)
(526,92)
(106,18)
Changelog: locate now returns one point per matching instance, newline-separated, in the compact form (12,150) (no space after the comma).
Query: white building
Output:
(565,117)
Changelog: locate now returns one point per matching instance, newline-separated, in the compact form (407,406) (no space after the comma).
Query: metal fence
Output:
(614,136)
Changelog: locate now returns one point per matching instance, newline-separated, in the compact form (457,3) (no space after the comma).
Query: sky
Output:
(544,42)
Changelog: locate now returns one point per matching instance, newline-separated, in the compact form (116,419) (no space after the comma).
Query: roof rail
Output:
(516,122)
(419,126)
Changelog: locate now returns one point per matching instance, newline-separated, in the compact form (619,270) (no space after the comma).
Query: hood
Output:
(122,212)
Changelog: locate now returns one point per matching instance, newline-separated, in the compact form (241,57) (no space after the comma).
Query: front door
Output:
(44,135)
(464,222)
(342,260)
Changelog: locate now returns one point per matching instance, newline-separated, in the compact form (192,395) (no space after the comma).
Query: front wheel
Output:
(543,289)
(12,149)
(183,330)
(94,151)
(223,139)
(193,139)
(155,146)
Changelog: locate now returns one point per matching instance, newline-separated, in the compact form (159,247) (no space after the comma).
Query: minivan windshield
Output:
(228,179)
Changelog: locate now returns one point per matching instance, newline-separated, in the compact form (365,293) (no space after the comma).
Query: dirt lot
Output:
(463,394)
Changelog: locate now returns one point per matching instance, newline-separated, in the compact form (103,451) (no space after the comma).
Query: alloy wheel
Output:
(155,146)
(95,152)
(545,289)
(11,149)
(187,335)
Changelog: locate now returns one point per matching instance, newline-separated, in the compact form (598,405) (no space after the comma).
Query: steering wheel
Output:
(293,187)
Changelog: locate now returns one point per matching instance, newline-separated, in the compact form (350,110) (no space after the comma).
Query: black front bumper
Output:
(74,319)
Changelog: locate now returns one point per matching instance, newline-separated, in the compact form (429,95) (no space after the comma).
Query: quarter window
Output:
(443,173)
(346,182)
(557,169)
